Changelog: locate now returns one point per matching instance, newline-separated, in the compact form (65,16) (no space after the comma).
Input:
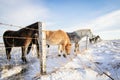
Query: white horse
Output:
(77,35)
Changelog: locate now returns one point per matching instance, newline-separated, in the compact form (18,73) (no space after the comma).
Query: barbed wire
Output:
(10,25)
(18,37)
(5,24)
(15,37)
(62,65)
(14,46)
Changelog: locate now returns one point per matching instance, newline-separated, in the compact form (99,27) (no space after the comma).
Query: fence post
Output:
(86,42)
(42,48)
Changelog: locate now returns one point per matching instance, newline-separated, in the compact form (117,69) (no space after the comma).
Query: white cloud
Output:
(22,12)
(105,25)
(107,22)
(28,14)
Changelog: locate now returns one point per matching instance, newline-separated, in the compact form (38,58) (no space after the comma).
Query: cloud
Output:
(107,22)
(105,25)
(28,14)
(22,12)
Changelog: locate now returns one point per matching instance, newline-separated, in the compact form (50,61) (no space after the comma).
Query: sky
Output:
(101,16)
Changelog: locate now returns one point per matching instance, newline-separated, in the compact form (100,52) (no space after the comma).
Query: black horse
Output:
(35,42)
(94,39)
(23,38)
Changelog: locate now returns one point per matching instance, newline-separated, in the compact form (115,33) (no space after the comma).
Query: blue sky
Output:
(101,16)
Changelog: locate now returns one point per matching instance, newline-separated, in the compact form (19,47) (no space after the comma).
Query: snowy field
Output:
(101,61)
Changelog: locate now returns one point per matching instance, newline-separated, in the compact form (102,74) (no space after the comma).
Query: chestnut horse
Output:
(21,38)
(61,39)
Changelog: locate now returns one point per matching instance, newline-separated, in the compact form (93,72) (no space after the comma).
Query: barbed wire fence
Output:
(33,53)
(40,40)
(11,25)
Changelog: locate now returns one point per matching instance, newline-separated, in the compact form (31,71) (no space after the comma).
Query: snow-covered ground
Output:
(101,61)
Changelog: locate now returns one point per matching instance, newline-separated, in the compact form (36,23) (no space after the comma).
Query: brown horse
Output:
(21,38)
(59,38)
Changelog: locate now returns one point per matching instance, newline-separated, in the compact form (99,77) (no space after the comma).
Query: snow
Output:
(7,73)
(101,61)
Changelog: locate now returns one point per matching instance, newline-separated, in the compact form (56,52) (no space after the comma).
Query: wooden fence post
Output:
(42,48)
(86,42)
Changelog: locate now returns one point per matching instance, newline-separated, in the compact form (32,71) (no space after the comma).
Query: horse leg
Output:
(90,40)
(8,50)
(35,41)
(37,49)
(48,45)
(76,50)
(23,54)
(94,40)
(64,53)
(29,47)
(60,50)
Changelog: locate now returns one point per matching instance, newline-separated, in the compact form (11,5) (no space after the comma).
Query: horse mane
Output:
(34,25)
(83,30)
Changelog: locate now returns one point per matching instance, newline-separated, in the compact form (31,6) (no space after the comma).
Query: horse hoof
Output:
(24,60)
(59,55)
(38,56)
(74,50)
(8,58)
(48,45)
(64,56)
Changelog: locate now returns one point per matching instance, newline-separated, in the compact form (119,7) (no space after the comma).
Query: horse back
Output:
(8,33)
(57,37)
(12,38)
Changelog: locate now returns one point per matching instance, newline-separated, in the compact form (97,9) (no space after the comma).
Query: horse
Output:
(61,39)
(34,42)
(94,39)
(20,38)
(77,35)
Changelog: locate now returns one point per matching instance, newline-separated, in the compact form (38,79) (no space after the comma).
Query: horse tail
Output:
(6,38)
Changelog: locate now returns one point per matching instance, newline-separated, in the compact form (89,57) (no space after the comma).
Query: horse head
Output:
(94,39)
(33,28)
(90,34)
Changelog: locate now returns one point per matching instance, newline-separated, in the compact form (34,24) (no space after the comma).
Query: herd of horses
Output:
(27,36)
